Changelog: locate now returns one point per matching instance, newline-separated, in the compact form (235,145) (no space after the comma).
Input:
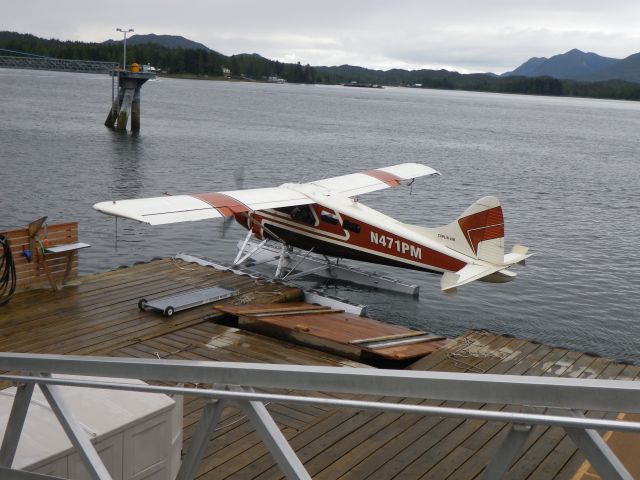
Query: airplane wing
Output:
(189,208)
(373,180)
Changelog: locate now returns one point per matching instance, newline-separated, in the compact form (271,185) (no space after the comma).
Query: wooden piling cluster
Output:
(126,104)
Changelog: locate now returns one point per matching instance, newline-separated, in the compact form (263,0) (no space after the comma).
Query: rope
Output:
(7,272)
(175,264)
(469,350)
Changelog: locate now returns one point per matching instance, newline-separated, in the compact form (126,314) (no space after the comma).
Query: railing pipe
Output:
(552,392)
(569,421)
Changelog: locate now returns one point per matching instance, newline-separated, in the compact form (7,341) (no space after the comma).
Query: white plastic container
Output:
(137,435)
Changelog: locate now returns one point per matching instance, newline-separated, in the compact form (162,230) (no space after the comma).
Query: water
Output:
(566,171)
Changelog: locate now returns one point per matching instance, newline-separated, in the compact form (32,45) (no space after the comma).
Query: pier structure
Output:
(30,61)
(482,406)
(126,103)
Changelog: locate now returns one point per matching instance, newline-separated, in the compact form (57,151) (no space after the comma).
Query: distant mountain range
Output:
(572,65)
(168,41)
(584,66)
(175,55)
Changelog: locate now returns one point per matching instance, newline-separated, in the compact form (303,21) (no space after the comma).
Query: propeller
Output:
(238,177)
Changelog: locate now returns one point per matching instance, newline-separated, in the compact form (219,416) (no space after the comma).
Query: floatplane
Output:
(326,217)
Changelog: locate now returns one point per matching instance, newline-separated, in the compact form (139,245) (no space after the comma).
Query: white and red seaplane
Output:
(326,217)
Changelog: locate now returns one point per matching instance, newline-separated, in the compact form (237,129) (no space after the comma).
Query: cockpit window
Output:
(351,226)
(302,213)
(327,217)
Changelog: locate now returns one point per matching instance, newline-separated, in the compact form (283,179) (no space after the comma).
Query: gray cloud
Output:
(465,35)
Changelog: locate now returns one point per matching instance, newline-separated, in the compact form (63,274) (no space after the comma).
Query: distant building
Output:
(276,79)
(226,72)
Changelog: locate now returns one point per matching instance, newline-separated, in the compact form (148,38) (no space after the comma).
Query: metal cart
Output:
(183,301)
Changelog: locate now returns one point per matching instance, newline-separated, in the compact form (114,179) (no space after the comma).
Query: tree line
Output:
(173,61)
(200,62)
(481,82)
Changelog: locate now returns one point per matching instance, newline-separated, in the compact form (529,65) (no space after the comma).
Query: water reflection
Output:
(125,159)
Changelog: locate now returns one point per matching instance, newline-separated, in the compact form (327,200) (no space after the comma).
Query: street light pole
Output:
(124,63)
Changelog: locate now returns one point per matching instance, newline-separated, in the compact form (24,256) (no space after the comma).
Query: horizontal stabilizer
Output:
(467,274)
(519,253)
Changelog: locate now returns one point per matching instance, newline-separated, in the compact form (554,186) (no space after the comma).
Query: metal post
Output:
(200,440)
(506,454)
(284,257)
(273,438)
(244,245)
(596,450)
(16,422)
(124,63)
(84,447)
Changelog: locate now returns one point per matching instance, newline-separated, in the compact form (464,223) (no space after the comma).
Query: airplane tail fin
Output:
(478,232)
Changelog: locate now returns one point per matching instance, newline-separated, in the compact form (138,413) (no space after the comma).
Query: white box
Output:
(137,435)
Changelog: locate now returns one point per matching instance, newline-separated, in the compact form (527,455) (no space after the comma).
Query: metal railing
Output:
(56,64)
(566,398)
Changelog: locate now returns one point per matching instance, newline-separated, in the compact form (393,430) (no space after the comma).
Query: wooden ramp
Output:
(335,331)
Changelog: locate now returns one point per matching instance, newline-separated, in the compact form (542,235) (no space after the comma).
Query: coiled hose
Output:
(7,272)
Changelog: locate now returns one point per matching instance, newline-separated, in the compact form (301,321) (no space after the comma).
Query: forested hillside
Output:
(170,60)
(204,62)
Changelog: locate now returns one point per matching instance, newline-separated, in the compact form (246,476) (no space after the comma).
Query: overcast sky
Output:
(462,35)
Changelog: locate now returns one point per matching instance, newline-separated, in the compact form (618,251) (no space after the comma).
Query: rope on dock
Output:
(470,349)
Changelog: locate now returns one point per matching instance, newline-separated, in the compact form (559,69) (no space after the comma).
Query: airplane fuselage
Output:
(341,233)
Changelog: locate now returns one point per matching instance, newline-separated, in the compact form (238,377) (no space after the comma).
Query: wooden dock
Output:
(99,316)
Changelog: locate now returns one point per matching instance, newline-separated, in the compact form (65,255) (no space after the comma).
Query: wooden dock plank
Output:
(485,442)
(396,444)
(549,438)
(458,430)
(425,428)
(558,462)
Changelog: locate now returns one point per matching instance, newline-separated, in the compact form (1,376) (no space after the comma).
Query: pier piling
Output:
(127,102)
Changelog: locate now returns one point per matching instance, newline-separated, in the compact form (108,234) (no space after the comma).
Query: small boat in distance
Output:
(362,85)
(148,68)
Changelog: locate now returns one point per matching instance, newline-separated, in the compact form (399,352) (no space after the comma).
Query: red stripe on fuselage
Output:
(226,205)
(370,242)
(386,177)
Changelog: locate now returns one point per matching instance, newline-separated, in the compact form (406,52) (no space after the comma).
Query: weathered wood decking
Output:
(99,316)
(359,338)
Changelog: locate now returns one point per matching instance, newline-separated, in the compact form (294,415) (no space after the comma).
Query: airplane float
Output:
(326,217)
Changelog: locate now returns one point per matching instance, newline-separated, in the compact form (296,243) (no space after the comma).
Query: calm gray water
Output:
(566,171)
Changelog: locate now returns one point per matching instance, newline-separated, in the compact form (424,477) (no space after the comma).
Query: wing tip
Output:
(111,208)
